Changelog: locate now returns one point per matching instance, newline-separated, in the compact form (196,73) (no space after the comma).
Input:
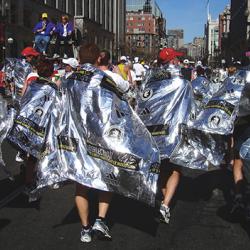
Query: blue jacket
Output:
(50,26)
(59,28)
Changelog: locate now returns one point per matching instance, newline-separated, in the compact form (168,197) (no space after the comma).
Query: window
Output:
(97,11)
(52,3)
(92,8)
(86,8)
(62,5)
(79,9)
(71,7)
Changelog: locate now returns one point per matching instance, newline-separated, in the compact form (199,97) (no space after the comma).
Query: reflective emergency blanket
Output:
(245,156)
(92,136)
(16,71)
(202,91)
(210,132)
(6,123)
(165,102)
(29,129)
(244,108)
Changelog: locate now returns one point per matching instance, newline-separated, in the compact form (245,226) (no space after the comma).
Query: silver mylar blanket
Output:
(6,122)
(202,91)
(29,129)
(244,108)
(16,71)
(165,102)
(92,136)
(245,155)
(210,131)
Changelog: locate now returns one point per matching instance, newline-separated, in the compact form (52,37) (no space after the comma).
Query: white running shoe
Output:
(165,213)
(86,235)
(101,230)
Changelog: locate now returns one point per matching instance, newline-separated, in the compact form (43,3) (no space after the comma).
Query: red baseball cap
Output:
(168,54)
(29,51)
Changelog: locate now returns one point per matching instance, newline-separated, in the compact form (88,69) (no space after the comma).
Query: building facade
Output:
(175,38)
(196,49)
(224,31)
(239,28)
(19,20)
(140,5)
(145,28)
(100,21)
(212,40)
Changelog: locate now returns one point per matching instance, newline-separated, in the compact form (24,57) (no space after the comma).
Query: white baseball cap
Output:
(136,59)
(71,62)
(123,58)
(186,61)
(199,63)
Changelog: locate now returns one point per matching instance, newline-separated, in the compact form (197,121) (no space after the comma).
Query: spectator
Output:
(186,70)
(103,64)
(71,65)
(43,30)
(140,71)
(124,70)
(64,30)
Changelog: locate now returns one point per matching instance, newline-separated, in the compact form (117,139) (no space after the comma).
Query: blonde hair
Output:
(65,17)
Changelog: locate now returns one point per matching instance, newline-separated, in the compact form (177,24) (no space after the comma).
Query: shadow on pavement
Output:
(201,187)
(123,211)
(4,223)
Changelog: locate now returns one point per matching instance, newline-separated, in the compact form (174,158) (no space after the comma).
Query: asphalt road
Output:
(199,219)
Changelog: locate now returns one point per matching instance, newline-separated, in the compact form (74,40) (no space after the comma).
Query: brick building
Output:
(145,28)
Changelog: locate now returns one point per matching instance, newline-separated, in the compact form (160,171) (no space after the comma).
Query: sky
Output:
(190,15)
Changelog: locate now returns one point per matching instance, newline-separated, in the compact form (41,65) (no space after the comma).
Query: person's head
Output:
(45,67)
(65,19)
(89,53)
(200,71)
(70,64)
(104,58)
(123,59)
(167,55)
(30,54)
(44,16)
(231,70)
(186,63)
(136,59)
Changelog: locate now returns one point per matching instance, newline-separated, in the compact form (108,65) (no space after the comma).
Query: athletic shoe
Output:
(36,196)
(29,189)
(101,230)
(18,157)
(165,213)
(86,235)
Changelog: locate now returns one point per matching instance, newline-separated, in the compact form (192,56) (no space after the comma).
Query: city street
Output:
(199,218)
